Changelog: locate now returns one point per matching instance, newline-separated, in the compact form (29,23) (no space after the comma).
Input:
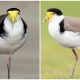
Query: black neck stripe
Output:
(62,26)
(25,27)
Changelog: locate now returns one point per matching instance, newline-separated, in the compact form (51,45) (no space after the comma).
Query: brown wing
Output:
(72,24)
(2,17)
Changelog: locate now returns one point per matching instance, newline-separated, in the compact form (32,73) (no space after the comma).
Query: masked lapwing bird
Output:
(13,31)
(65,30)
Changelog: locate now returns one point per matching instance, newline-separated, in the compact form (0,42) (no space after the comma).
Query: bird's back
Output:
(72,24)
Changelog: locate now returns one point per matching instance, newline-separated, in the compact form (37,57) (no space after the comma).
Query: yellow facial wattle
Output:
(48,16)
(12,15)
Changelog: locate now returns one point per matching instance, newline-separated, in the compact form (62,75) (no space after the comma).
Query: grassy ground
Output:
(56,61)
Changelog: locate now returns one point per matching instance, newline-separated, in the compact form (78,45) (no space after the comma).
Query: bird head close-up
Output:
(52,13)
(13,14)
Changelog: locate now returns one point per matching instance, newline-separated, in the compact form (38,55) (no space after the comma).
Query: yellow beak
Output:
(48,16)
(12,15)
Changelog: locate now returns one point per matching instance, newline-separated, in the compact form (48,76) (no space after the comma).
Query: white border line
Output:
(39,39)
(39,0)
(59,0)
(20,0)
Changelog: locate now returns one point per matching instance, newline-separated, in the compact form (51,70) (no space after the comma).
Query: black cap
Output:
(12,9)
(55,10)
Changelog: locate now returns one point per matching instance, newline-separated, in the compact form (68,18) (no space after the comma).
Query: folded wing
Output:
(72,24)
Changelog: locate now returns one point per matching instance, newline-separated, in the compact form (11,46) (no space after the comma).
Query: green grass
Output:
(57,61)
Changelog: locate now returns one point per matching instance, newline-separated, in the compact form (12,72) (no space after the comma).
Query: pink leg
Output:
(76,59)
(9,65)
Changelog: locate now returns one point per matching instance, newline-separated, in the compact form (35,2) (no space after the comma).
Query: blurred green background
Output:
(57,61)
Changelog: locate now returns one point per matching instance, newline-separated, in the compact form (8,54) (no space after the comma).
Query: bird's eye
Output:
(19,13)
(53,13)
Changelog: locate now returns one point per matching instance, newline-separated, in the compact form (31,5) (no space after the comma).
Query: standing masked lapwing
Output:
(65,30)
(13,31)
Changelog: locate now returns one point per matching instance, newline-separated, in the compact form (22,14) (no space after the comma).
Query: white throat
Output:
(57,19)
(53,26)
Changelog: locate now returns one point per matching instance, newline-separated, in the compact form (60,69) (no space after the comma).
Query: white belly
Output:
(66,39)
(69,39)
(8,46)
